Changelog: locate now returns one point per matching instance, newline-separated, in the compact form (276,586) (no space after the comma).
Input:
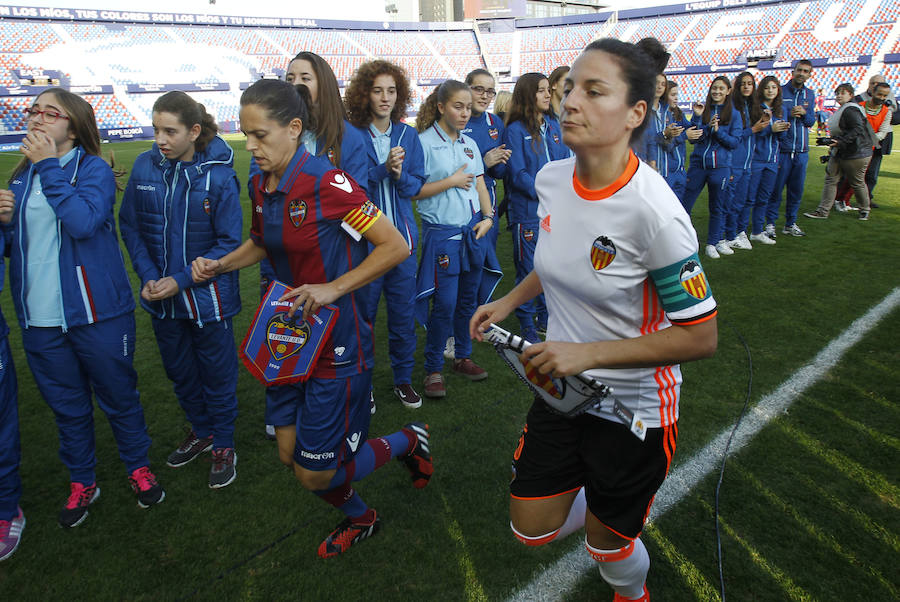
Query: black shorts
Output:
(620,473)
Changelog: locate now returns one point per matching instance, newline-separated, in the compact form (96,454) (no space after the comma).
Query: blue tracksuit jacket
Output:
(173,212)
(92,274)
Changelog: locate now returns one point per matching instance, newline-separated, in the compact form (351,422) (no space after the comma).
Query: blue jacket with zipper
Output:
(173,212)
(93,281)
(527,158)
(398,206)
(796,138)
(713,148)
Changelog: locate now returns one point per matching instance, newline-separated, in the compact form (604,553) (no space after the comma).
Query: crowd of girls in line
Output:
(751,149)
(182,224)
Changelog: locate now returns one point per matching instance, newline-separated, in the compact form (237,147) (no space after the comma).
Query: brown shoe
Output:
(469,369)
(408,396)
(434,385)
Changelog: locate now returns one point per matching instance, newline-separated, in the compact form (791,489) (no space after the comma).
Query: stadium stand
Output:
(847,37)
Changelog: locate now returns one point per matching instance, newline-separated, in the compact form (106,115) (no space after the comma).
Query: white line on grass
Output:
(554,582)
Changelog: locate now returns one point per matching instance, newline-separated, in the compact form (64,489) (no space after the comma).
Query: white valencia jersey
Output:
(619,263)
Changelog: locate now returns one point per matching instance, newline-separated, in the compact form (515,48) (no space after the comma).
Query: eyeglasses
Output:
(481,91)
(49,116)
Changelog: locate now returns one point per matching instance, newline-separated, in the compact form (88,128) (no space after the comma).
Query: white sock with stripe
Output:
(624,569)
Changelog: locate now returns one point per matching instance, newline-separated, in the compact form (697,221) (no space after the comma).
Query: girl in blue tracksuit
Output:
(73,297)
(486,129)
(533,136)
(456,213)
(376,99)
(767,109)
(183,201)
(720,129)
(742,98)
(676,152)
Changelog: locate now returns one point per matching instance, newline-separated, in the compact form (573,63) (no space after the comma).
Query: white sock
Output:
(624,569)
(575,520)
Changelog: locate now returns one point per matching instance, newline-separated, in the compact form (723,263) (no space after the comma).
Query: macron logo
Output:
(342,183)
(353,441)
(146,187)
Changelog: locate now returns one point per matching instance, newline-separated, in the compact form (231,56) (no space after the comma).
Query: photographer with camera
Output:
(851,142)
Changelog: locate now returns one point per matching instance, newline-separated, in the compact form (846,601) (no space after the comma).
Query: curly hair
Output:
(356,97)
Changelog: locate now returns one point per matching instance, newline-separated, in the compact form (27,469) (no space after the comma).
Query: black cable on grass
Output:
(306,523)
(255,554)
(728,445)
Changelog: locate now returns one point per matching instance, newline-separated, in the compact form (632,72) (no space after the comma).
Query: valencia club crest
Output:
(693,280)
(469,153)
(285,336)
(443,260)
(603,251)
(297,212)
(493,133)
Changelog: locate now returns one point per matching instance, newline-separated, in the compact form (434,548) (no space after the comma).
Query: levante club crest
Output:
(285,336)
(693,280)
(279,349)
(603,251)
(297,212)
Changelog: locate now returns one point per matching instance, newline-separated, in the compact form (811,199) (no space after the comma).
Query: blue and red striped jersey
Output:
(311,227)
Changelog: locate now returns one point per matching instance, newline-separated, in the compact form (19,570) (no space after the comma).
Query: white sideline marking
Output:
(558,580)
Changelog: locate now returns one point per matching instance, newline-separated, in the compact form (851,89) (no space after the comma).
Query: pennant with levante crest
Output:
(279,349)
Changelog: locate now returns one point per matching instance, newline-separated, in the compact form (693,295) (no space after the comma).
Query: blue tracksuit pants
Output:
(762,182)
(735,220)
(453,303)
(677,179)
(202,364)
(791,173)
(68,367)
(525,237)
(10,453)
(399,287)
(717,181)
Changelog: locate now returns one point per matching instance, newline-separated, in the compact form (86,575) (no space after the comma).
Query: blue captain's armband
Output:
(682,284)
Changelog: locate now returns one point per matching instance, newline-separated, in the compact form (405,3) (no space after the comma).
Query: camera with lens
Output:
(824,158)
(824,141)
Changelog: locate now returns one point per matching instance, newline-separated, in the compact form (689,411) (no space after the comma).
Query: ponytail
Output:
(189,112)
(428,112)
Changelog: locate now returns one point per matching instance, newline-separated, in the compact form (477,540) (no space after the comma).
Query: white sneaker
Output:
(270,432)
(793,230)
(450,349)
(770,230)
(711,252)
(762,239)
(840,207)
(723,248)
(740,243)
(743,236)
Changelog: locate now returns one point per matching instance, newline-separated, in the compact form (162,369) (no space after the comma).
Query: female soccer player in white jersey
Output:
(628,300)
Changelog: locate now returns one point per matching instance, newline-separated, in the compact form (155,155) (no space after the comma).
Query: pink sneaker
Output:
(76,509)
(11,534)
(144,484)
